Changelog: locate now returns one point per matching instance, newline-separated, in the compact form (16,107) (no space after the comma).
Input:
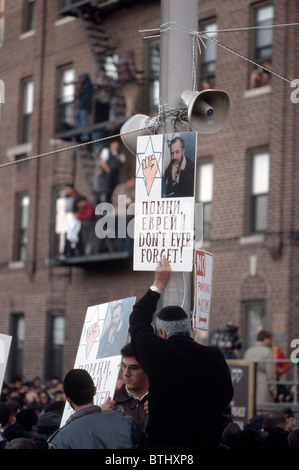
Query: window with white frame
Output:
(264,17)
(154,77)
(30,15)
(55,343)
(208,54)
(21,226)
(261,44)
(27,109)
(205,173)
(259,191)
(64,118)
(17,346)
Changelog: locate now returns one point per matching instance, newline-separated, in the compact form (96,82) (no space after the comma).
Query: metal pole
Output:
(178,19)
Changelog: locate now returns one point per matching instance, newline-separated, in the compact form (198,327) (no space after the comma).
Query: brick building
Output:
(246,178)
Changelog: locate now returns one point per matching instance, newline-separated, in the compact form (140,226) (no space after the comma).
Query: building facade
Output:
(247,174)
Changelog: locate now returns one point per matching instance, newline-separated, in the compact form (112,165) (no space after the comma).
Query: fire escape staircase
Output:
(101,47)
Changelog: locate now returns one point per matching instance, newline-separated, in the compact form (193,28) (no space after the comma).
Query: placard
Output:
(242,405)
(104,333)
(203,269)
(164,201)
(5,342)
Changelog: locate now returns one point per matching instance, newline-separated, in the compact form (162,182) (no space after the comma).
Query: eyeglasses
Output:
(133,369)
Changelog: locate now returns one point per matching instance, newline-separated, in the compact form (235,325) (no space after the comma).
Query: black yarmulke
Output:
(172,313)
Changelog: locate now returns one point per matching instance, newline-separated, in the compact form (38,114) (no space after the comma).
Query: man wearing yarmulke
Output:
(90,427)
(189,384)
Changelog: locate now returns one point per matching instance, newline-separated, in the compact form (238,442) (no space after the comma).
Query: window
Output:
(58,235)
(55,343)
(17,345)
(65,98)
(30,14)
(111,66)
(2,5)
(154,77)
(208,55)
(204,194)
(259,189)
(254,319)
(27,86)
(261,44)
(264,16)
(21,227)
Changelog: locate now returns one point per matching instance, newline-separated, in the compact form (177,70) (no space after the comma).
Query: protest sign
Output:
(203,268)
(242,405)
(5,342)
(164,201)
(104,333)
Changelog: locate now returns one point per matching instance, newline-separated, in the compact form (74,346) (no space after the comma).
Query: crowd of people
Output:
(31,412)
(161,360)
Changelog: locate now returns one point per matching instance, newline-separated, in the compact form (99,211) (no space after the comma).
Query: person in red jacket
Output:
(85,211)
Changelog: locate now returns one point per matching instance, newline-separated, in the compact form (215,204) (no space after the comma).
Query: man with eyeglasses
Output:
(131,398)
(189,384)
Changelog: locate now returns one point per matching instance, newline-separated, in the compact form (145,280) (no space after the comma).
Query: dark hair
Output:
(293,439)
(4,414)
(78,386)
(274,419)
(20,443)
(127,350)
(263,334)
(175,139)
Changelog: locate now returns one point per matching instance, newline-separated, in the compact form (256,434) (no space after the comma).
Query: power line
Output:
(198,34)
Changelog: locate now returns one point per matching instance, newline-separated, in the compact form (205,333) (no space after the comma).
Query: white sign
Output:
(203,268)
(104,333)
(164,201)
(5,342)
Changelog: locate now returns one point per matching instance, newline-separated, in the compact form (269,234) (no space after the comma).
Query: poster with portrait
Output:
(5,342)
(164,201)
(104,333)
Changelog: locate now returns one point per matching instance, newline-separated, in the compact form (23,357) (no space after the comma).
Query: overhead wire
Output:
(199,35)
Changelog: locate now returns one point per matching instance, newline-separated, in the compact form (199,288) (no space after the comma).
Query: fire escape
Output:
(102,49)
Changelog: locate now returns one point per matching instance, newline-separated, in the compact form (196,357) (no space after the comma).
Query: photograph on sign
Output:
(203,269)
(104,333)
(5,342)
(164,201)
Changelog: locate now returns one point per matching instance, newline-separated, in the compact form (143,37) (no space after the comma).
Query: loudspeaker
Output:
(207,109)
(135,126)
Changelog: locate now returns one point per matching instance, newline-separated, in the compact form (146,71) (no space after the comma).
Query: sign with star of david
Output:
(164,201)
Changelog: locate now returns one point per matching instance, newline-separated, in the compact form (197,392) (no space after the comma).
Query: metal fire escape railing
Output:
(101,47)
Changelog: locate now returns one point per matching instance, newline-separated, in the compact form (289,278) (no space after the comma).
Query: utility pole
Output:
(178,19)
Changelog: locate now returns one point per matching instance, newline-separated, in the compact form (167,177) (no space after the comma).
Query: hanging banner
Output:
(5,342)
(104,333)
(203,268)
(164,201)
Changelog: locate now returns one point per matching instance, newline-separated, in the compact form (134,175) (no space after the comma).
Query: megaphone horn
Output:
(207,109)
(135,126)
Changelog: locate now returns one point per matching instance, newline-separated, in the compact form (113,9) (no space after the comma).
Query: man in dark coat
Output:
(189,384)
